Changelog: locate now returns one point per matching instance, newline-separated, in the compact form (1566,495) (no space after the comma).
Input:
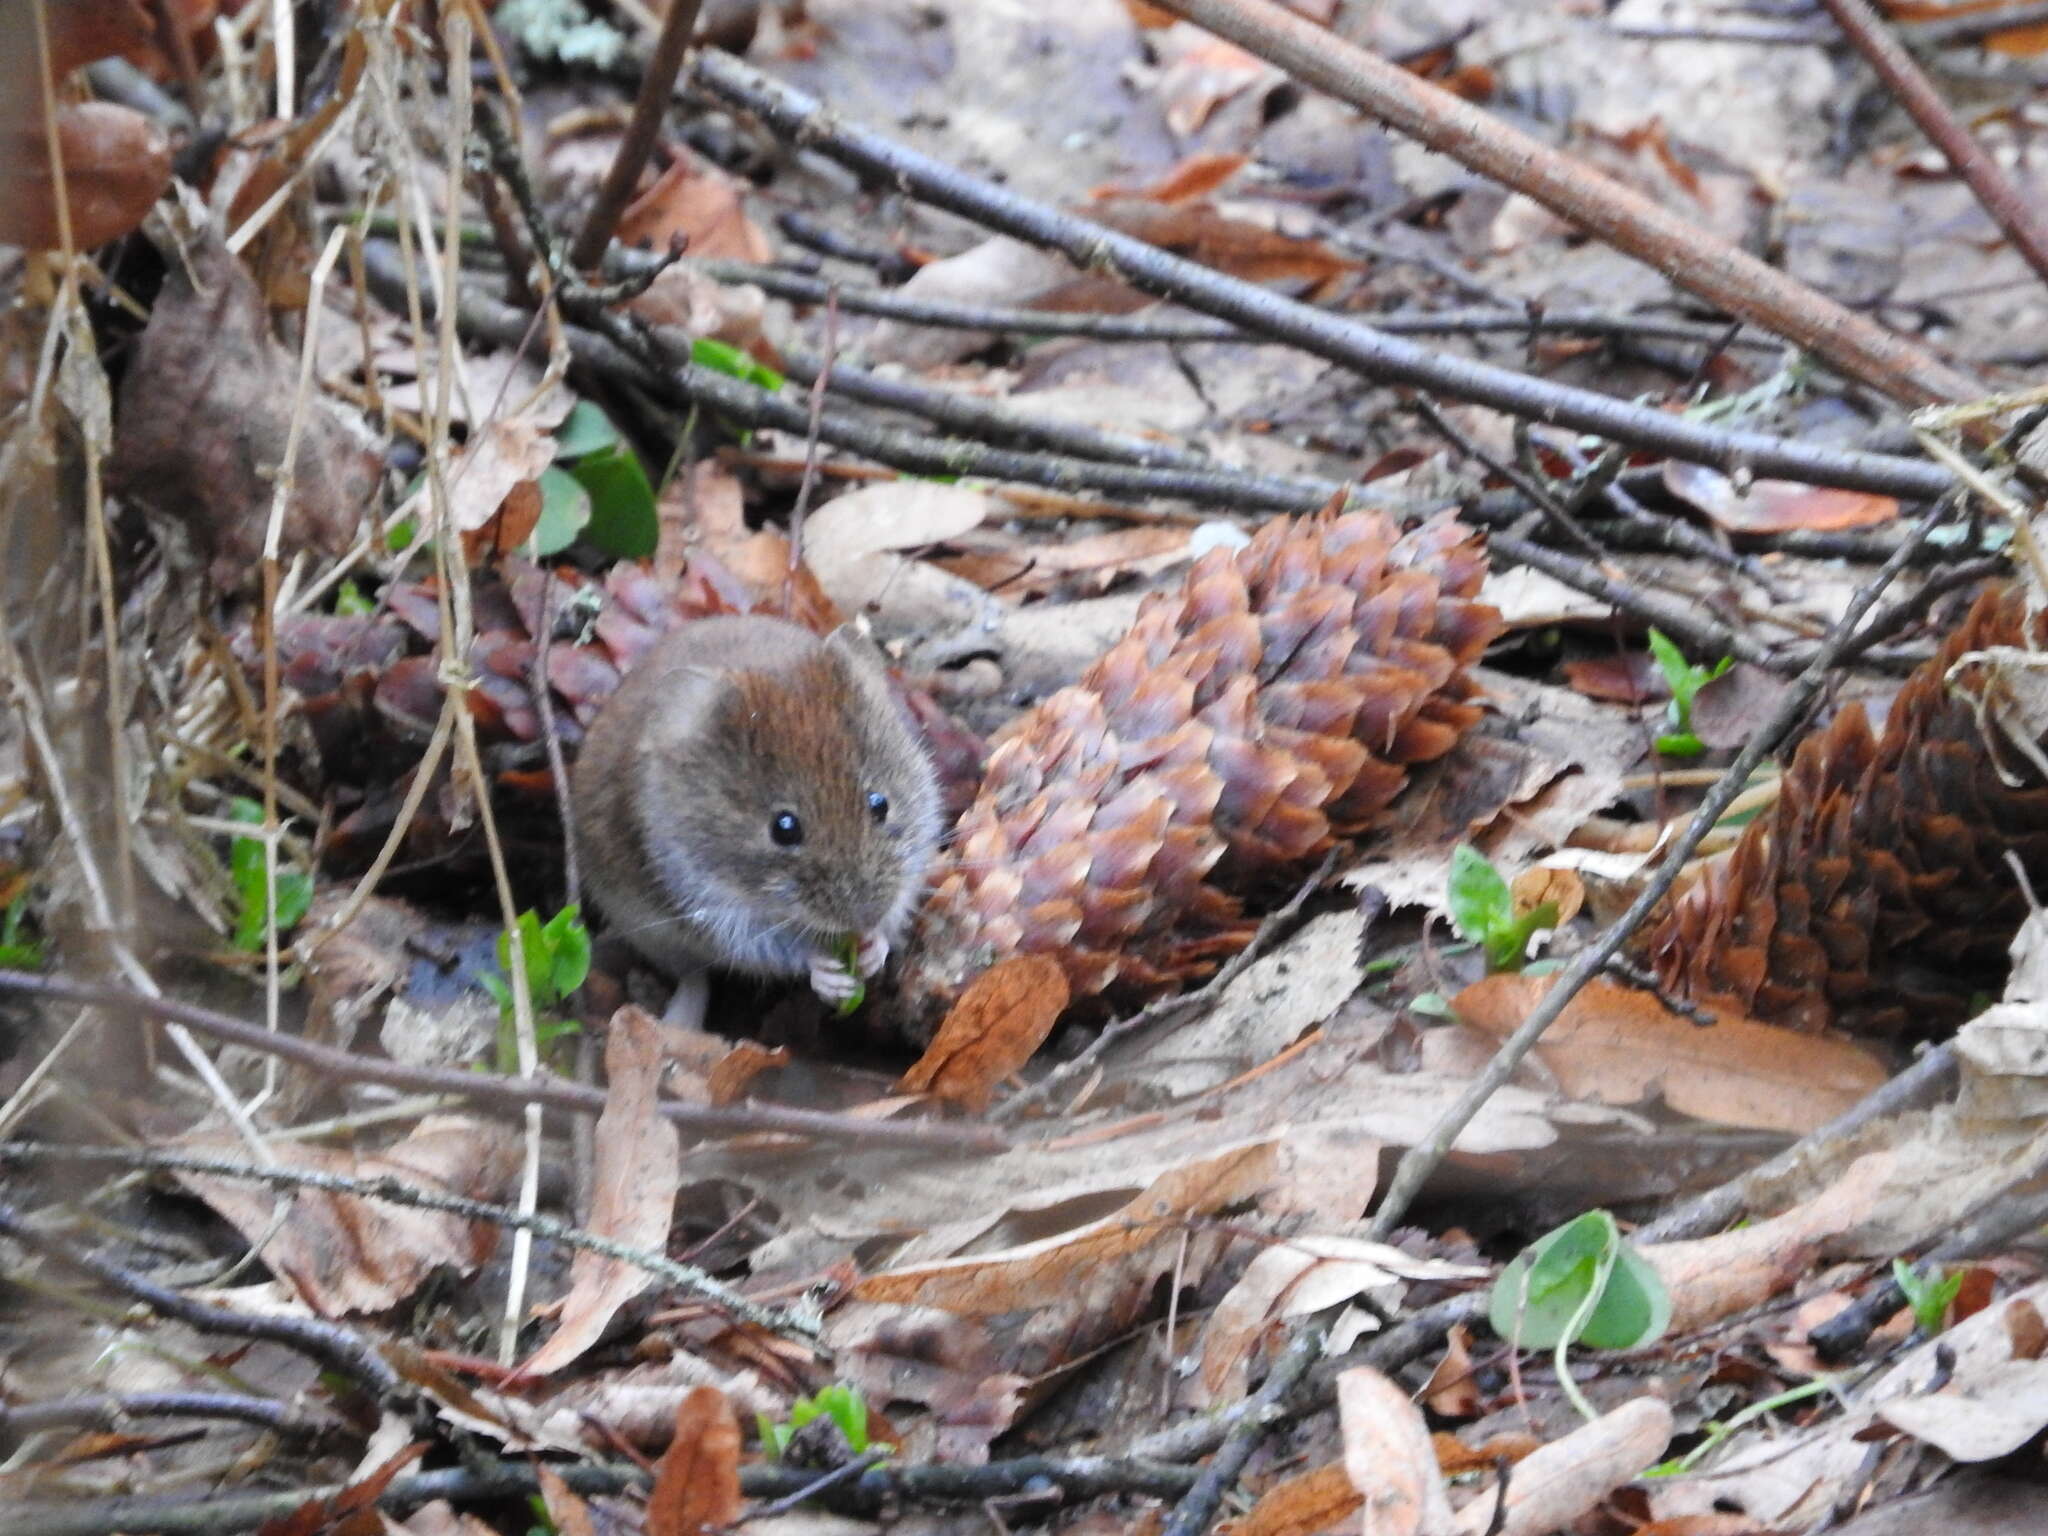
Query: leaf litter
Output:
(1191,1118)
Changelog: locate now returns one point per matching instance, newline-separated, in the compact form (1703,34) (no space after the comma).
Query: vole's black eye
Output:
(878,806)
(786,829)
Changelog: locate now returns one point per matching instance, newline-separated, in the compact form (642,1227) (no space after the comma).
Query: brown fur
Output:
(725,723)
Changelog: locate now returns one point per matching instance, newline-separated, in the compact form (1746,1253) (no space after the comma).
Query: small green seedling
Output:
(251,879)
(724,357)
(1928,1292)
(1580,1284)
(557,955)
(351,601)
(1686,680)
(842,1404)
(19,951)
(1483,910)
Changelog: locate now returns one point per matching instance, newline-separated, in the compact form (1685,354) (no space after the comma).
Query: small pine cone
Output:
(1874,897)
(1268,708)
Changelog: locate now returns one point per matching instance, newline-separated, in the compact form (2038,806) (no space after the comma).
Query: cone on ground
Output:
(1269,707)
(1874,896)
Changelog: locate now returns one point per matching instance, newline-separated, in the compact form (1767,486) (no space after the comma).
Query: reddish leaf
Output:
(1003,1016)
(1775,506)
(697,1484)
(117,163)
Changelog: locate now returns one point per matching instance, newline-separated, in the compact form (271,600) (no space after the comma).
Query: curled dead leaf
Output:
(636,1174)
(697,1484)
(1389,1458)
(117,163)
(1534,886)
(1003,1016)
(1775,506)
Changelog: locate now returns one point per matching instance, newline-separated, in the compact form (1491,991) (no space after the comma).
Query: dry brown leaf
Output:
(1294,1278)
(633,1190)
(999,1021)
(1206,74)
(344,1253)
(1714,1277)
(1119,1253)
(730,1075)
(697,1483)
(1237,246)
(1303,1505)
(1620,1046)
(701,205)
(493,461)
(1633,677)
(507,528)
(1452,1390)
(1553,1487)
(204,414)
(571,1516)
(1775,506)
(1196,175)
(1454,1457)
(1534,886)
(1389,1458)
(117,163)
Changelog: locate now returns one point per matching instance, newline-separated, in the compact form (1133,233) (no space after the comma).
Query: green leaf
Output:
(1681,744)
(623,521)
(849,956)
(1479,899)
(565,511)
(585,430)
(1929,1293)
(1543,1291)
(1508,947)
(723,357)
(399,536)
(568,944)
(251,882)
(351,602)
(1432,1005)
(1670,661)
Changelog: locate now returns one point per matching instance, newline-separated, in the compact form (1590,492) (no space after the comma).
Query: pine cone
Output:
(1268,708)
(1874,896)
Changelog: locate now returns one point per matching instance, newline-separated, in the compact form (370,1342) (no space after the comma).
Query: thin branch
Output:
(106,1412)
(395,1191)
(1933,1075)
(804,120)
(2010,210)
(657,89)
(1070,1478)
(1682,250)
(506,1092)
(1421,1160)
(330,1344)
(908,309)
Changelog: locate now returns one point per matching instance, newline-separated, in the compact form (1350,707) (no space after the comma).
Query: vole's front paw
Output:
(874,954)
(831,979)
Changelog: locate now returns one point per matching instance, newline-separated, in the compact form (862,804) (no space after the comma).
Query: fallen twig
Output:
(489,1088)
(1070,1478)
(622,178)
(804,120)
(1195,1511)
(333,1346)
(1723,274)
(1908,83)
(395,1191)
